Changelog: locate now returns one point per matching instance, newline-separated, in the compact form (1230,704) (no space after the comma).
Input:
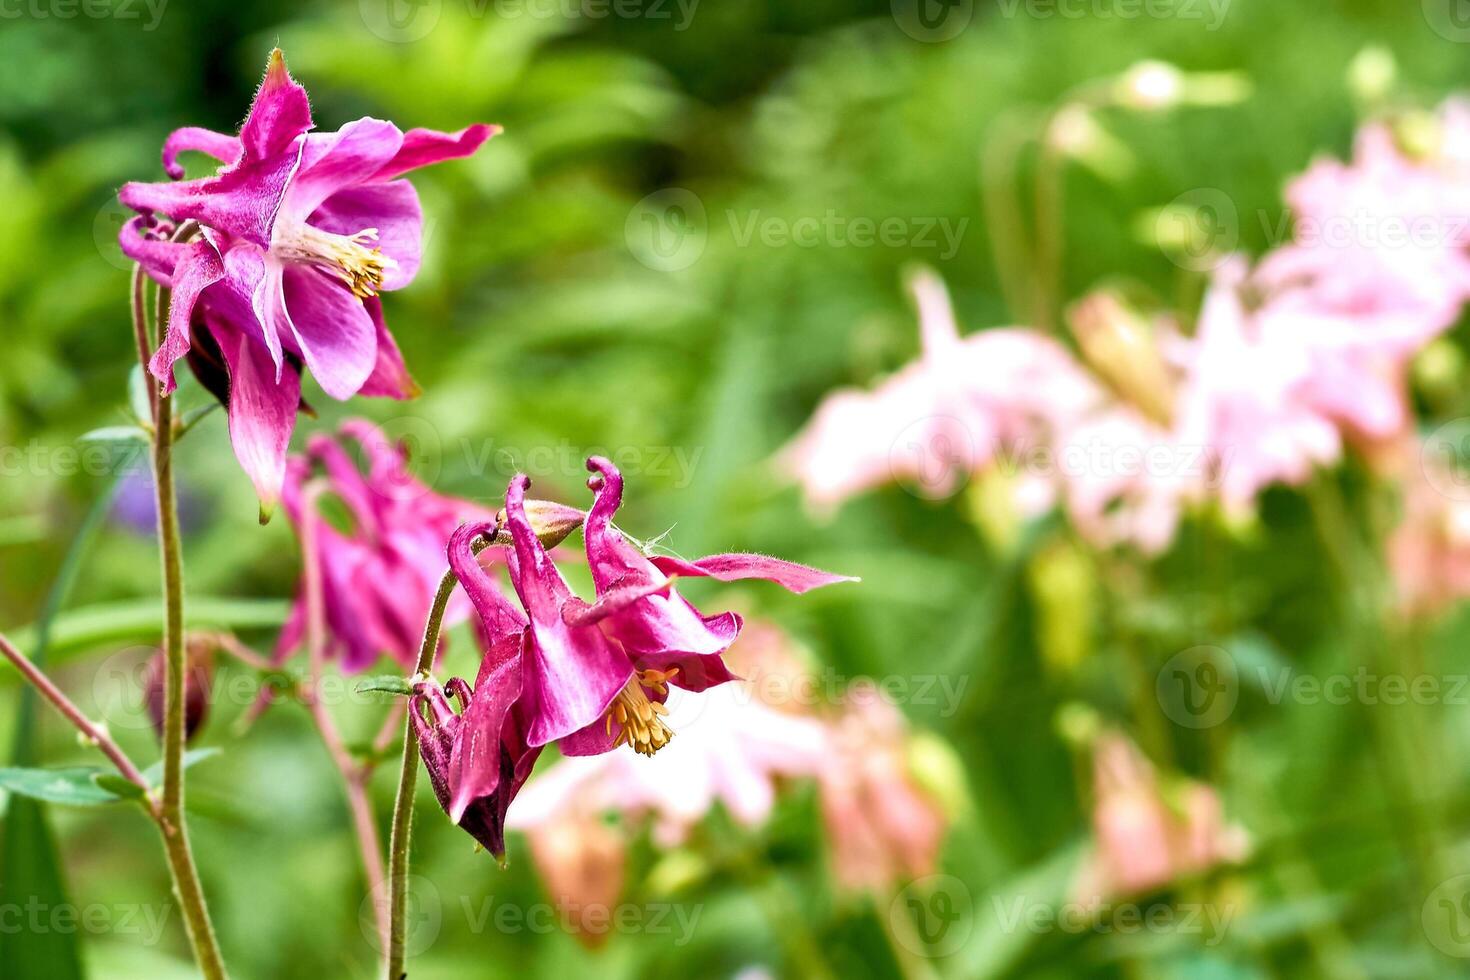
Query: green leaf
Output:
(28,851)
(385,684)
(33,873)
(154,773)
(74,786)
(139,621)
(138,384)
(118,435)
(119,786)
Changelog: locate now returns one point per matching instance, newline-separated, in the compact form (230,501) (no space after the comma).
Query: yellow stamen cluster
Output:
(350,258)
(641,721)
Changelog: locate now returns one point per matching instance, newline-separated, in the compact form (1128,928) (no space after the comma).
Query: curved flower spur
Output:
(587,676)
(298,232)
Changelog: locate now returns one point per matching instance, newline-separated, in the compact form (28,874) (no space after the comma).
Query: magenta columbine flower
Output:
(380,575)
(299,232)
(589,677)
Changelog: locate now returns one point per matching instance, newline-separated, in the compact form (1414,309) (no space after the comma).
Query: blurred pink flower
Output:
(378,577)
(1142,842)
(1243,399)
(733,755)
(1377,268)
(1429,551)
(882,828)
(953,411)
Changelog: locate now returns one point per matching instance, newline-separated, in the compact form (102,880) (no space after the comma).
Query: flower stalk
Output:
(171,809)
(354,776)
(399,840)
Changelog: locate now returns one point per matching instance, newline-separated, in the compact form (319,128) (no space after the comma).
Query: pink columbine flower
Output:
(955,410)
(586,676)
(1429,551)
(1142,841)
(882,827)
(300,232)
(379,577)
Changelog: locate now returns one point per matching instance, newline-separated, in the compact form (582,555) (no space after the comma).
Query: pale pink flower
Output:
(1429,551)
(1243,401)
(955,410)
(1378,267)
(1143,840)
(882,827)
(734,756)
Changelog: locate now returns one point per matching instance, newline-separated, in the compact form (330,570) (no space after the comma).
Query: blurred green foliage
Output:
(535,325)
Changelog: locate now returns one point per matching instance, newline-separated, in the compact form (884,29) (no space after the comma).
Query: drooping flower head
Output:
(299,232)
(1144,842)
(587,676)
(379,576)
(883,828)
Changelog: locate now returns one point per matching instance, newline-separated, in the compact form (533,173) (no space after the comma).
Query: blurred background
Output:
(601,278)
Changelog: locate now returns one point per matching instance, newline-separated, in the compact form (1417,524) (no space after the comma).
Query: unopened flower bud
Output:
(1153,86)
(1150,86)
(552,522)
(1372,74)
(1119,344)
(198,675)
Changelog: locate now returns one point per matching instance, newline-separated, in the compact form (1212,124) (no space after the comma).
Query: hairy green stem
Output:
(399,841)
(407,782)
(171,810)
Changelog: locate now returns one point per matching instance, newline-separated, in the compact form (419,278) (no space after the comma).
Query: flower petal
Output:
(422,147)
(734,567)
(262,412)
(280,112)
(335,335)
(241,201)
(332,162)
(394,210)
(661,624)
(390,377)
(156,255)
(198,267)
(222,146)
(572,673)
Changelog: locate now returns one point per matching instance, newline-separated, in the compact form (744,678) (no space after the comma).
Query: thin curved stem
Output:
(171,816)
(94,732)
(354,776)
(140,334)
(398,846)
